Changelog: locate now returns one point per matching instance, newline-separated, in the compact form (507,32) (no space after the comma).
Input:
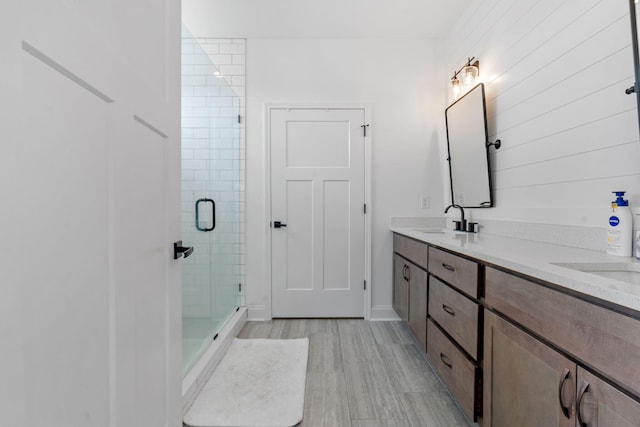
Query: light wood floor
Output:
(365,374)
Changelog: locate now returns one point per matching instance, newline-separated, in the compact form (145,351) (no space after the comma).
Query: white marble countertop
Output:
(537,260)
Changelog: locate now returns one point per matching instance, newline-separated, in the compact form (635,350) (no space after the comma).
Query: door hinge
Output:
(365,208)
(239,288)
(364,130)
(239,118)
(365,285)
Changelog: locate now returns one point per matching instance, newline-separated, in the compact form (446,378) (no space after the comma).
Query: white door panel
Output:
(140,275)
(89,169)
(61,193)
(336,214)
(298,248)
(317,190)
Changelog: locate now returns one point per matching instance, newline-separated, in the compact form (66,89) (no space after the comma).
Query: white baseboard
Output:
(383,312)
(258,313)
(197,377)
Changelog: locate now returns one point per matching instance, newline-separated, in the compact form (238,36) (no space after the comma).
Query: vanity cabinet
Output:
(526,383)
(454,368)
(453,326)
(400,288)
(412,250)
(601,405)
(542,347)
(456,314)
(418,303)
(410,286)
(435,292)
(518,351)
(461,273)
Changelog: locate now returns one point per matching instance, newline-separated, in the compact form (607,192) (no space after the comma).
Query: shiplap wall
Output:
(555,74)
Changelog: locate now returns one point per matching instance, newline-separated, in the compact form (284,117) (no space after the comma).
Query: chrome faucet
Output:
(462,224)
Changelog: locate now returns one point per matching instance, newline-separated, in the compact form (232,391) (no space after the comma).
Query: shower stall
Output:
(211,190)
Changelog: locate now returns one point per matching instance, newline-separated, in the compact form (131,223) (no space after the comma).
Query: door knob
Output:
(181,251)
(278,224)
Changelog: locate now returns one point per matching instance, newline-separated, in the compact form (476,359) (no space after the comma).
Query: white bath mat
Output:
(258,383)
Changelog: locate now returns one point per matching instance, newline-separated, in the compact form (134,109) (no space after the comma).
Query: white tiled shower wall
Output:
(213,165)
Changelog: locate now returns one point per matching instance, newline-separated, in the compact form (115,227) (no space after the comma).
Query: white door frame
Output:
(367,192)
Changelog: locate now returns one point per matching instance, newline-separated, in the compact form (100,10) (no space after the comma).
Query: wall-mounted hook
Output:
(496,144)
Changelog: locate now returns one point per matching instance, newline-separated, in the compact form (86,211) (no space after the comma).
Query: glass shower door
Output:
(210,201)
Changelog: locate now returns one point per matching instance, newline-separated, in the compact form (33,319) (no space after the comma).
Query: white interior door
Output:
(89,165)
(318,193)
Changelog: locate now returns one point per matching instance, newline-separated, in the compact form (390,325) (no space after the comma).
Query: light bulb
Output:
(456,87)
(470,74)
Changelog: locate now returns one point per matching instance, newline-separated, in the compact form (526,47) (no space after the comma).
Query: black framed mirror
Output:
(468,155)
(633,14)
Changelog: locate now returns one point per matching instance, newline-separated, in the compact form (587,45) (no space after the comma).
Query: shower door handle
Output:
(213,214)
(181,251)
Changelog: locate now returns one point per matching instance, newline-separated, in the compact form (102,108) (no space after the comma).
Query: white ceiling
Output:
(321,18)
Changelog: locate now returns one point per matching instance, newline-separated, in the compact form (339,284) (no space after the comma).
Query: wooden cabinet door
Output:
(607,341)
(526,383)
(400,288)
(418,303)
(601,405)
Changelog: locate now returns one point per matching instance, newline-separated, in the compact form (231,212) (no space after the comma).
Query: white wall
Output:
(398,79)
(555,75)
(397,76)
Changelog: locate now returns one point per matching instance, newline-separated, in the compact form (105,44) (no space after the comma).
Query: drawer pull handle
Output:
(448,309)
(563,378)
(584,389)
(448,267)
(404,272)
(446,361)
(408,278)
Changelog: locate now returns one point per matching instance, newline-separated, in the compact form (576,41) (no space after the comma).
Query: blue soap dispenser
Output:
(620,227)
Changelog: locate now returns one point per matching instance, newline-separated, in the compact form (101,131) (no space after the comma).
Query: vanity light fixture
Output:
(469,75)
(456,87)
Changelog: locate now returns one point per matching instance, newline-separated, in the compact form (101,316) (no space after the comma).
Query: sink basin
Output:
(442,231)
(430,230)
(628,272)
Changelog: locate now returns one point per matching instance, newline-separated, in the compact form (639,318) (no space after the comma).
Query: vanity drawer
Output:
(456,271)
(601,338)
(456,314)
(457,372)
(414,251)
